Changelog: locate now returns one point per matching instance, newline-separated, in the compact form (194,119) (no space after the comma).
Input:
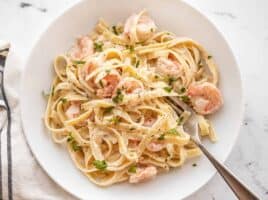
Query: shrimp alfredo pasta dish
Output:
(107,102)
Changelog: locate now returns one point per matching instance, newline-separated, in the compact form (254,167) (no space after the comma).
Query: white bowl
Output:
(173,15)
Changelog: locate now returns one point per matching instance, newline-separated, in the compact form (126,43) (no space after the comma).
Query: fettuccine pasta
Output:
(107,102)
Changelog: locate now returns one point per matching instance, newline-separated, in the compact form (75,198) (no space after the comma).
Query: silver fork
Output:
(4,49)
(191,126)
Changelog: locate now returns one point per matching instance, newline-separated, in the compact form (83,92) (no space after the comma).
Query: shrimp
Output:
(133,142)
(206,98)
(145,27)
(82,49)
(169,67)
(149,119)
(143,174)
(131,86)
(155,146)
(73,110)
(90,67)
(109,82)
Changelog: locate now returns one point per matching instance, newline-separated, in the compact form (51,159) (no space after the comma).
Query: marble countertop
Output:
(245,26)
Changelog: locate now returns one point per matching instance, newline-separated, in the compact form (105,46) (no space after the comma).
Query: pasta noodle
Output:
(107,101)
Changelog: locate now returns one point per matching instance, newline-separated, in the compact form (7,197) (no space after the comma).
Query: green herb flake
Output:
(73,143)
(63,100)
(183,89)
(108,110)
(152,30)
(185,99)
(137,64)
(131,48)
(100,164)
(168,89)
(132,169)
(98,46)
(161,137)
(209,57)
(78,62)
(171,80)
(115,120)
(75,146)
(107,71)
(119,97)
(172,131)
(70,138)
(114,28)
(194,164)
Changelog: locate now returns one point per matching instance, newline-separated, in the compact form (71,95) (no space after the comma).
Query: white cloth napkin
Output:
(29,181)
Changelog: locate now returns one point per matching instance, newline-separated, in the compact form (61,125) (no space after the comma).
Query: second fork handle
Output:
(241,191)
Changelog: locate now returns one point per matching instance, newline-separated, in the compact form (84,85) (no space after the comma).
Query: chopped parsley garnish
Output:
(115,30)
(132,169)
(115,120)
(172,131)
(130,47)
(63,100)
(107,71)
(168,89)
(73,143)
(75,146)
(161,137)
(171,80)
(137,64)
(194,165)
(100,164)
(152,30)
(209,57)
(183,89)
(108,110)
(78,62)
(98,46)
(119,97)
(70,138)
(185,99)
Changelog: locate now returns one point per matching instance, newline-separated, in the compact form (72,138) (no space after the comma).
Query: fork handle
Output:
(241,191)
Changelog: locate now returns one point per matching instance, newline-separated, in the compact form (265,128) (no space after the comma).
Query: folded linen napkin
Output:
(28,180)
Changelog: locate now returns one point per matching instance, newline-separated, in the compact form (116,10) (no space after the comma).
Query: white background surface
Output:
(245,26)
